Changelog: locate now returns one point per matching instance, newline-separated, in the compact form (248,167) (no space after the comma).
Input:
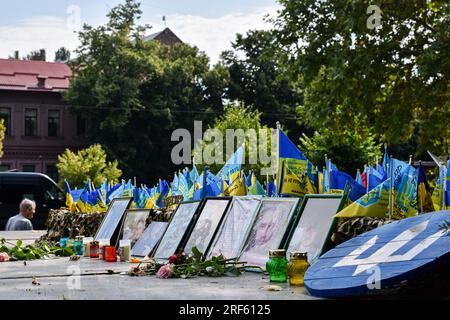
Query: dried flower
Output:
(210,269)
(166,271)
(4,257)
(136,271)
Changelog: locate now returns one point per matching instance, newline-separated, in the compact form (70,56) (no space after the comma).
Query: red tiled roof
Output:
(22,75)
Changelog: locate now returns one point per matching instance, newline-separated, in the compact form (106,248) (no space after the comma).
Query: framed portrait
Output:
(209,218)
(110,226)
(272,223)
(235,227)
(314,224)
(149,239)
(134,224)
(175,234)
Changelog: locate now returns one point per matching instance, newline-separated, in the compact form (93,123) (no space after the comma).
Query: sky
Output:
(210,25)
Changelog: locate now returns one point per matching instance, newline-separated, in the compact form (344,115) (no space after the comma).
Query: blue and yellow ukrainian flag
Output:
(292,178)
(425,203)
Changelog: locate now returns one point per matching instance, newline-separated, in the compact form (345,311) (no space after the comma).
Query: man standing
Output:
(22,221)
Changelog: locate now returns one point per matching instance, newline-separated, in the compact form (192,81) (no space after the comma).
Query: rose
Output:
(178,258)
(4,257)
(173,258)
(166,271)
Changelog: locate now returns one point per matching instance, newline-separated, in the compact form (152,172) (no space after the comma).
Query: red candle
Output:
(94,249)
(110,253)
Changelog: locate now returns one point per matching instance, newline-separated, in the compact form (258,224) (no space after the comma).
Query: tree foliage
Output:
(38,55)
(236,117)
(2,135)
(62,55)
(135,93)
(348,149)
(89,163)
(395,77)
(257,79)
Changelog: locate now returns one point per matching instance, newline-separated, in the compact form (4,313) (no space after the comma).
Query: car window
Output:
(52,192)
(14,193)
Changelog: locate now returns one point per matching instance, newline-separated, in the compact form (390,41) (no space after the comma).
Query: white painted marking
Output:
(384,254)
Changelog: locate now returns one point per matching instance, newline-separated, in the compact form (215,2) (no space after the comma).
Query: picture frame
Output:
(175,235)
(235,227)
(208,219)
(312,229)
(149,239)
(111,223)
(134,224)
(269,230)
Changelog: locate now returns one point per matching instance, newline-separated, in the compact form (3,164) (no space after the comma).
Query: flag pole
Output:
(444,184)
(328,173)
(390,189)
(278,183)
(368,178)
(418,196)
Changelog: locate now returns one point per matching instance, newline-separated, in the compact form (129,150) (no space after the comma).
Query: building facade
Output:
(39,126)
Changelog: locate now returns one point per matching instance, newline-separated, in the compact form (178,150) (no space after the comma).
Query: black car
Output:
(15,186)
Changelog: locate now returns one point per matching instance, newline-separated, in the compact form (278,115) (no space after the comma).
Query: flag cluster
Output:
(392,189)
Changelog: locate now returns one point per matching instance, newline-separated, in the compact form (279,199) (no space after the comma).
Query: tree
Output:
(86,164)
(38,55)
(2,135)
(258,79)
(236,117)
(62,55)
(135,93)
(394,76)
(347,149)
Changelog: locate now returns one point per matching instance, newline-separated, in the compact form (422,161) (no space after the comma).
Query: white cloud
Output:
(35,33)
(212,35)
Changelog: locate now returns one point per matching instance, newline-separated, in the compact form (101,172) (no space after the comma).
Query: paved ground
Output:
(90,279)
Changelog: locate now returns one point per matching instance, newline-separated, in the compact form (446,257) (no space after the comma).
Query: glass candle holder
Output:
(63,242)
(297,267)
(110,253)
(78,246)
(276,265)
(87,246)
(94,249)
(125,250)
(102,243)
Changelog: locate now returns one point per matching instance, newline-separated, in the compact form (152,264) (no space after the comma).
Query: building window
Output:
(29,168)
(81,126)
(4,167)
(5,114)
(53,123)
(31,122)
(52,172)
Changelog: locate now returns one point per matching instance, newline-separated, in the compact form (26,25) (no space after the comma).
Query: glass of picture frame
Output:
(311,230)
(269,230)
(149,239)
(235,228)
(109,228)
(174,236)
(134,224)
(209,218)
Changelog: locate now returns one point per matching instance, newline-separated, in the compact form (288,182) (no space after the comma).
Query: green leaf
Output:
(19,243)
(196,254)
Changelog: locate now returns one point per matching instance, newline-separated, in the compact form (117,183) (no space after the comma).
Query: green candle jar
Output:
(276,266)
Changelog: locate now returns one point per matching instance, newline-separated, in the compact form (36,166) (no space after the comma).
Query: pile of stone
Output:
(63,223)
(348,228)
